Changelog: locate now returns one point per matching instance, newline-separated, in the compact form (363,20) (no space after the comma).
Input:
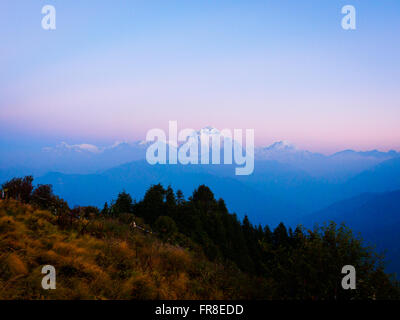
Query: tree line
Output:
(297,263)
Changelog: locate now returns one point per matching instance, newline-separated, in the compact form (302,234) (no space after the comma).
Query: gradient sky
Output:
(114,69)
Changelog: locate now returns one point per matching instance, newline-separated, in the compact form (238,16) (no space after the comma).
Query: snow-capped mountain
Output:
(283,145)
(285,151)
(90,158)
(65,147)
(210,133)
(337,166)
(80,158)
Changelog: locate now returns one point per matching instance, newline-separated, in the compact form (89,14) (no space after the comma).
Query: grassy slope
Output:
(102,260)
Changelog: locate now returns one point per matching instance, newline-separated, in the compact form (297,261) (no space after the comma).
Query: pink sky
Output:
(308,81)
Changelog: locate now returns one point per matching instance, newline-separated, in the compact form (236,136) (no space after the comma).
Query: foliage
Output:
(19,188)
(166,227)
(198,251)
(123,204)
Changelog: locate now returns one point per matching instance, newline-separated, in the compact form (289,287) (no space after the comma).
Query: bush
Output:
(166,227)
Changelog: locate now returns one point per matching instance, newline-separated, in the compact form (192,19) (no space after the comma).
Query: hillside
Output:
(169,247)
(383,177)
(275,192)
(375,215)
(136,177)
(101,259)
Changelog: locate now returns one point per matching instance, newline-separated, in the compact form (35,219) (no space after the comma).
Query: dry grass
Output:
(108,261)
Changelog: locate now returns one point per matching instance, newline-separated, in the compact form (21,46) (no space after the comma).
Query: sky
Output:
(112,70)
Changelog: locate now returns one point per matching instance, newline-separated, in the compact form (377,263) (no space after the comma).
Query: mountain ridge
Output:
(375,215)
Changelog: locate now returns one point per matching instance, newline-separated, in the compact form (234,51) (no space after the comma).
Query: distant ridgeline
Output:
(169,247)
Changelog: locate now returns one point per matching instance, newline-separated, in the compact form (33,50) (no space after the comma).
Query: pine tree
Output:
(170,197)
(280,235)
(106,210)
(179,197)
(123,204)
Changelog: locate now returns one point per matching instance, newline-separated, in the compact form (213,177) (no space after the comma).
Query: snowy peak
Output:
(209,131)
(283,151)
(212,132)
(65,147)
(283,145)
(286,152)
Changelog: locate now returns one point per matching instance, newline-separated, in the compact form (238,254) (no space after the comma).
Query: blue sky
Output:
(114,69)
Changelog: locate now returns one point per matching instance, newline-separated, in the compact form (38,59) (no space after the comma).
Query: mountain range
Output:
(87,158)
(287,181)
(284,182)
(376,216)
(288,184)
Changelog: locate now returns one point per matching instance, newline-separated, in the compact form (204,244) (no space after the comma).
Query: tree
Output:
(280,235)
(123,204)
(19,188)
(170,197)
(166,227)
(267,234)
(105,210)
(204,199)
(203,194)
(222,206)
(43,196)
(288,264)
(170,202)
(155,195)
(179,197)
(153,203)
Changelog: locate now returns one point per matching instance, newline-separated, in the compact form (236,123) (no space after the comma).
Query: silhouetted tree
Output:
(280,236)
(123,204)
(105,210)
(43,196)
(152,205)
(179,197)
(19,188)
